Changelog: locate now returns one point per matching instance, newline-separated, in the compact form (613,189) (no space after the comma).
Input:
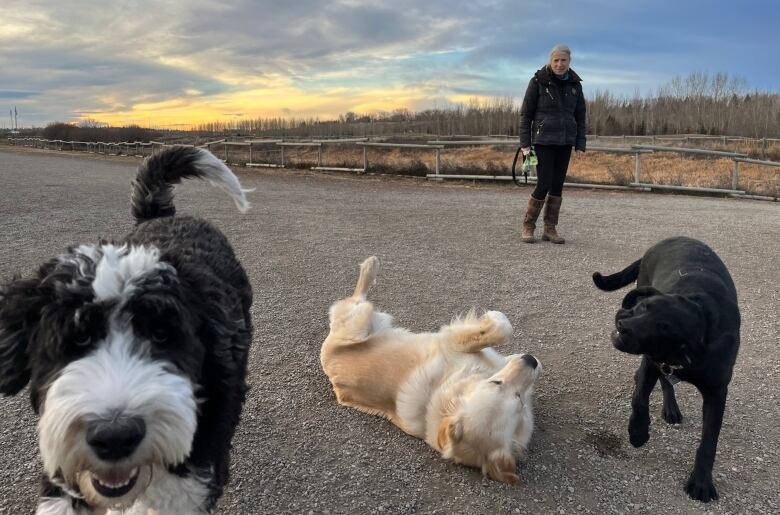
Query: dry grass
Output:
(593,167)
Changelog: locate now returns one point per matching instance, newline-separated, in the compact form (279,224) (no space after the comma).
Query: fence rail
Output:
(277,146)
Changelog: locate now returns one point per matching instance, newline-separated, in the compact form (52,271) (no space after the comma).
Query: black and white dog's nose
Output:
(112,440)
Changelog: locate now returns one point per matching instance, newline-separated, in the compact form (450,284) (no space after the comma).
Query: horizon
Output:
(202,63)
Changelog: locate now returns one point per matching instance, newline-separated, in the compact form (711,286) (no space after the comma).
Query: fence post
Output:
(319,155)
(250,153)
(638,167)
(365,159)
(282,156)
(226,151)
(735,175)
(438,160)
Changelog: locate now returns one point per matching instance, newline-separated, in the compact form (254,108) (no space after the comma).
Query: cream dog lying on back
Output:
(449,388)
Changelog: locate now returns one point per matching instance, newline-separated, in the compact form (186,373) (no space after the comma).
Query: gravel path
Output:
(444,248)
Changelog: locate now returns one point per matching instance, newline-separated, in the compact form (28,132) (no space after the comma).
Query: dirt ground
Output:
(444,248)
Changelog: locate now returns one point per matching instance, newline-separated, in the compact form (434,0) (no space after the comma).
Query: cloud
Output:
(178,60)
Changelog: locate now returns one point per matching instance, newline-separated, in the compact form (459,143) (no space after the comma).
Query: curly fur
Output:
(146,337)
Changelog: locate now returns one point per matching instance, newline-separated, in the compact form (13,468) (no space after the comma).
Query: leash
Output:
(528,161)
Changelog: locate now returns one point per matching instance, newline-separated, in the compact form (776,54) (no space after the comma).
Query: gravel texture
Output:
(444,248)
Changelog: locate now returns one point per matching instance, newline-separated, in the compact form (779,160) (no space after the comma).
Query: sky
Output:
(176,63)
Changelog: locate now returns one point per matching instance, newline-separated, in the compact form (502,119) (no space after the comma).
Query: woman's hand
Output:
(526,150)
(579,153)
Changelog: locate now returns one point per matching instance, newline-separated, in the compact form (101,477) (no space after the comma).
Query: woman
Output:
(553,116)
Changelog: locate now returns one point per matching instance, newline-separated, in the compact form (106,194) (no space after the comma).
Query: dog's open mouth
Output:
(114,487)
(624,342)
(115,482)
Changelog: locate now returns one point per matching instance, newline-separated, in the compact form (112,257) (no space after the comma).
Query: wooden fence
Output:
(276,148)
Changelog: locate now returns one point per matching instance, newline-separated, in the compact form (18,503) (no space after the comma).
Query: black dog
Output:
(684,320)
(136,354)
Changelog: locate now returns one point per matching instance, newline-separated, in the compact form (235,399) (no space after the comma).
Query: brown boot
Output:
(551,211)
(529,221)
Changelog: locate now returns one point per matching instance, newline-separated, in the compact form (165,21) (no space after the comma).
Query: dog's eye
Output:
(160,335)
(82,339)
(497,382)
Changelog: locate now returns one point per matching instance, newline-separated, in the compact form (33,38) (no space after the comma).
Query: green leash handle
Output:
(528,161)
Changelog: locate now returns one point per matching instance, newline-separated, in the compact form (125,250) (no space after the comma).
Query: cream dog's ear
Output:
(450,432)
(502,466)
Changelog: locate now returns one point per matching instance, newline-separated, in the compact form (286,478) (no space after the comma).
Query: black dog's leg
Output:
(671,411)
(700,486)
(639,423)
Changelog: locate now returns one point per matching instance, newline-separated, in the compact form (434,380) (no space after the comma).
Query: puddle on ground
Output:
(606,443)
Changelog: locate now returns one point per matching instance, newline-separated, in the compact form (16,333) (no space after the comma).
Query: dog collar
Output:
(669,371)
(683,272)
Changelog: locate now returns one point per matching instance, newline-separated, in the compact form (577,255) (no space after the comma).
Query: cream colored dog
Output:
(449,388)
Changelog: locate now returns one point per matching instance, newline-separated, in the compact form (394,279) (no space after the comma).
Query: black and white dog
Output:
(684,320)
(136,355)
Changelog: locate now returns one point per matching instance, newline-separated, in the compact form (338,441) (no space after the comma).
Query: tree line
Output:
(697,104)
(90,130)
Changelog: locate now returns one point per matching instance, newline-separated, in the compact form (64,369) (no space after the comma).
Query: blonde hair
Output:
(560,49)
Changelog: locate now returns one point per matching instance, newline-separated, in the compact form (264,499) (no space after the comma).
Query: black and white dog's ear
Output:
(637,294)
(20,304)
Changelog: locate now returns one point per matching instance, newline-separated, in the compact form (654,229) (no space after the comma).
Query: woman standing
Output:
(553,117)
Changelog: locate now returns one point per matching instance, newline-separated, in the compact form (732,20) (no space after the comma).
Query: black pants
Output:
(551,170)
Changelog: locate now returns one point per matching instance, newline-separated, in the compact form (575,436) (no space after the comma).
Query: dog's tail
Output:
(368,271)
(153,186)
(618,280)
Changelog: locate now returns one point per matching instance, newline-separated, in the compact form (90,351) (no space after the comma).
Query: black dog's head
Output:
(666,327)
(111,340)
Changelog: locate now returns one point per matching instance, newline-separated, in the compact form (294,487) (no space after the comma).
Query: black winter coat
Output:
(553,111)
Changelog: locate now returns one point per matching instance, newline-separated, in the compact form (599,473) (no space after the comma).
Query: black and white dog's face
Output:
(108,338)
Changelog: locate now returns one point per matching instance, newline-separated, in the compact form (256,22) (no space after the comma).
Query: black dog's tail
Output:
(153,186)
(618,280)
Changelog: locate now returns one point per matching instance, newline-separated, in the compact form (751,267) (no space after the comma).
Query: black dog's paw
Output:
(701,488)
(672,414)
(638,432)
(638,437)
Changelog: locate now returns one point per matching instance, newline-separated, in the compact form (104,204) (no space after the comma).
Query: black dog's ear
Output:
(635,295)
(20,303)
